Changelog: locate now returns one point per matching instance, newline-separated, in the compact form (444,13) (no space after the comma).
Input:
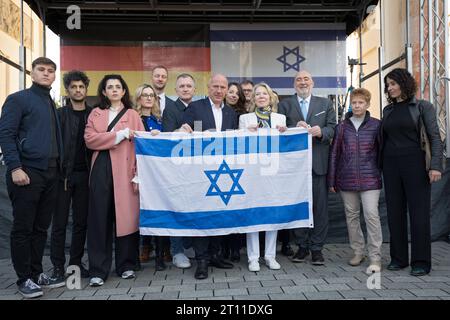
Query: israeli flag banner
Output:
(218,183)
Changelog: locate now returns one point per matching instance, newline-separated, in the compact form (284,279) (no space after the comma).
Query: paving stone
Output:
(252,297)
(151,289)
(230,292)
(265,290)
(325,295)
(172,295)
(137,296)
(428,292)
(211,286)
(108,292)
(332,287)
(185,287)
(277,283)
(350,294)
(196,294)
(299,289)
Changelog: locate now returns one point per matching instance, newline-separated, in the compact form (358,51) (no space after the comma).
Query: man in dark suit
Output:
(173,114)
(210,113)
(318,115)
(160,75)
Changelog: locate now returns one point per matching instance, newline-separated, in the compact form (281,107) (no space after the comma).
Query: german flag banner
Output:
(119,50)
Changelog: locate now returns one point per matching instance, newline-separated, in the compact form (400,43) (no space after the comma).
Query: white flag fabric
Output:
(274,53)
(217,183)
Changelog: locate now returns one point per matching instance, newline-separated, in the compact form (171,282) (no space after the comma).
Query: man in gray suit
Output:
(319,117)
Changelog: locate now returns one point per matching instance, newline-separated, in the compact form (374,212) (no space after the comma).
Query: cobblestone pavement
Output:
(335,280)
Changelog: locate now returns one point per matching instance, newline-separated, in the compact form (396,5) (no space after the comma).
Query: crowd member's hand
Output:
(252,127)
(315,131)
(434,175)
(186,128)
(20,178)
(302,124)
(135,187)
(155,132)
(281,128)
(131,135)
(333,190)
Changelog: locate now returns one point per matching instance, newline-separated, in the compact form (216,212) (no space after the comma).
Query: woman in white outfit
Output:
(262,114)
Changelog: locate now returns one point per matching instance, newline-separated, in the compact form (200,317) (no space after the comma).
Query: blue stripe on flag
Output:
(277,35)
(224,219)
(288,82)
(221,145)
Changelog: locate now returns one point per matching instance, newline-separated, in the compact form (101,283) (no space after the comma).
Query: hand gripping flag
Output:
(217,183)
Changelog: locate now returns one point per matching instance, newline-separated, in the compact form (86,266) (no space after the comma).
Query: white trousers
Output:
(253,245)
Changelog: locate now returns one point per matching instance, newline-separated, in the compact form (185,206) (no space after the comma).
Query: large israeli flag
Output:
(275,52)
(219,183)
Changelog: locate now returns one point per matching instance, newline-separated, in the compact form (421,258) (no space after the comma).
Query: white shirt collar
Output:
(213,105)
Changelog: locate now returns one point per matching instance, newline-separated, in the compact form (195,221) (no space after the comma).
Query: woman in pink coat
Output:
(113,197)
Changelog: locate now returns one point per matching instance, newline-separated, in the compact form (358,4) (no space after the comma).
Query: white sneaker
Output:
(96,282)
(129,274)
(181,261)
(272,263)
(253,265)
(375,266)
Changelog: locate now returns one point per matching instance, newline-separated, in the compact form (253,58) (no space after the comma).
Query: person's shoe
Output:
(301,255)
(46,282)
(159,264)
(356,260)
(29,289)
(394,266)
(317,258)
(96,282)
(235,256)
(144,255)
(181,261)
(272,263)
(217,262)
(253,266)
(286,250)
(202,270)
(374,267)
(129,274)
(418,271)
(58,275)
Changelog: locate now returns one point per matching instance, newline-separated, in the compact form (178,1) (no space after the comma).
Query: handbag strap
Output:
(116,119)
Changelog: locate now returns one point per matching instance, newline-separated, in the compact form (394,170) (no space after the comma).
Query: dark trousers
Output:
(33,207)
(407,188)
(205,247)
(77,194)
(232,242)
(101,220)
(314,238)
(284,236)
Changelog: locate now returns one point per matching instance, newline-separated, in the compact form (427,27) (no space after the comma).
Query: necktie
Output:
(303,109)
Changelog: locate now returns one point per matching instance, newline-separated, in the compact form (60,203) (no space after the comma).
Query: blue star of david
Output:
(283,59)
(213,176)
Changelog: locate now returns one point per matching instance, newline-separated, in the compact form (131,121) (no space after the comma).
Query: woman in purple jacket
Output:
(354,173)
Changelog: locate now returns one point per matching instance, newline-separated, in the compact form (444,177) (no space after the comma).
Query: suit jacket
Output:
(200,110)
(248,119)
(172,118)
(321,113)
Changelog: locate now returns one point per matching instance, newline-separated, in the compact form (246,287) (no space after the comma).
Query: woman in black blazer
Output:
(407,181)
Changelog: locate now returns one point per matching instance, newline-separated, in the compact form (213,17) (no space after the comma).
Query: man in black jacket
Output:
(73,187)
(30,138)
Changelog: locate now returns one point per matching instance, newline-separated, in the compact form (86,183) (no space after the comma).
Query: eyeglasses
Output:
(144,95)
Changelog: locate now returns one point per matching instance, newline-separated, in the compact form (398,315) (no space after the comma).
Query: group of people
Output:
(83,158)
